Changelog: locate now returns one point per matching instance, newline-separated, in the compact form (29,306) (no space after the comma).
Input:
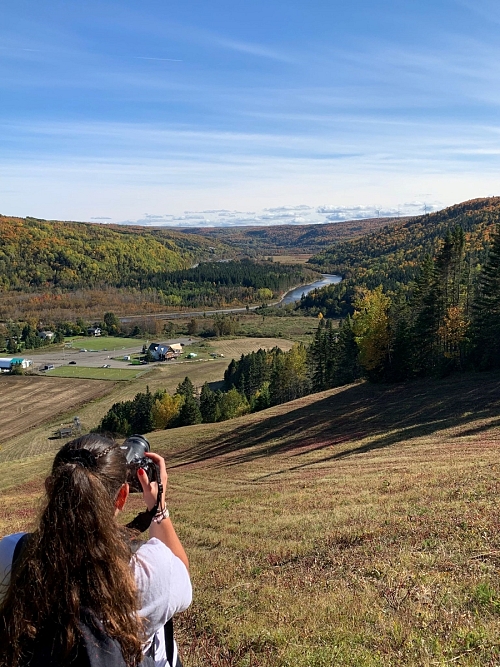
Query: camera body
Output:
(134,448)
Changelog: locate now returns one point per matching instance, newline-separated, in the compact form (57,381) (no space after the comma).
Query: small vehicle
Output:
(106,366)
(72,363)
(83,349)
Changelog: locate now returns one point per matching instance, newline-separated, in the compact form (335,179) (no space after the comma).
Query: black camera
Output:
(135,447)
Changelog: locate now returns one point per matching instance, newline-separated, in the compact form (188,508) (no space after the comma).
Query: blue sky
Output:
(230,112)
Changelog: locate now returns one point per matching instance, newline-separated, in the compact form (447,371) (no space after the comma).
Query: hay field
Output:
(27,401)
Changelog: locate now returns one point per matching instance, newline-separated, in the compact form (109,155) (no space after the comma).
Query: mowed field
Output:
(30,400)
(233,349)
(356,527)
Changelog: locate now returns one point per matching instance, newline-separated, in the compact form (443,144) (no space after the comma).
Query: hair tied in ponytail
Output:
(83,457)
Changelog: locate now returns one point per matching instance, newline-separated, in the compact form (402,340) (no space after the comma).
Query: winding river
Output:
(295,294)
(290,297)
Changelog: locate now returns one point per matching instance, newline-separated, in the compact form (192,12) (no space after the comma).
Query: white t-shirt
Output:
(161,577)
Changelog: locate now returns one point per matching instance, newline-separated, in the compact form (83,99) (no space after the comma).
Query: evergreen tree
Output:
(486,310)
(347,366)
(190,412)
(141,415)
(318,356)
(185,388)
(208,404)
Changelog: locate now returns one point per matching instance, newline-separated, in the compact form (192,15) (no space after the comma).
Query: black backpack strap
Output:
(169,641)
(170,644)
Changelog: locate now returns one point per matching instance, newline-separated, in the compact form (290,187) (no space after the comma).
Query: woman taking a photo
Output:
(77,572)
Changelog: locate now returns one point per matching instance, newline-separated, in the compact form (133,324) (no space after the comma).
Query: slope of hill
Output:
(39,253)
(358,526)
(283,239)
(393,254)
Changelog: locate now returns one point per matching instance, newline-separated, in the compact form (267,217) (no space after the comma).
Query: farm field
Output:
(291,259)
(27,401)
(359,526)
(115,374)
(35,440)
(297,328)
(109,343)
(233,349)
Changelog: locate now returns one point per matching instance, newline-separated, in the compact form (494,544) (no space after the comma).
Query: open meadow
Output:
(359,526)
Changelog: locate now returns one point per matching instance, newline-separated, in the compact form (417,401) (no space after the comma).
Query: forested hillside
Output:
(38,254)
(284,239)
(392,257)
(392,254)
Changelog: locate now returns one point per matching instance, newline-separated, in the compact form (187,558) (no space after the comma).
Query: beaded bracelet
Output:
(160,515)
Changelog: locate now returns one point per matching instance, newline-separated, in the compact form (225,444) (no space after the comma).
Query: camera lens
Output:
(135,447)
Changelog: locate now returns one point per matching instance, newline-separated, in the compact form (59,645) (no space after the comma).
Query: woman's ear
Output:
(122,496)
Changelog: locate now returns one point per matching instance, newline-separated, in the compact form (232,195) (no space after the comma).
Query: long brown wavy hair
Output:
(78,558)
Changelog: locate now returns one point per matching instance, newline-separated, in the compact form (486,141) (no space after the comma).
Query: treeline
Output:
(213,284)
(255,382)
(392,256)
(161,410)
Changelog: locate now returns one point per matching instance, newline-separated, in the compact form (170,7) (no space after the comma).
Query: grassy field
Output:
(114,374)
(290,259)
(359,527)
(104,343)
(297,329)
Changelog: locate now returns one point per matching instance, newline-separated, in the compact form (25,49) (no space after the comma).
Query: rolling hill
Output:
(37,254)
(358,526)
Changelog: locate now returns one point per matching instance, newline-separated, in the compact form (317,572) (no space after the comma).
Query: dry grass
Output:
(355,527)
(233,349)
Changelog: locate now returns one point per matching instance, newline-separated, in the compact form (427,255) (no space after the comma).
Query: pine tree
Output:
(347,366)
(185,388)
(208,404)
(190,412)
(486,311)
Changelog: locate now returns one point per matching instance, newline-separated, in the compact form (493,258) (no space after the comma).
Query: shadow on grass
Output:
(386,414)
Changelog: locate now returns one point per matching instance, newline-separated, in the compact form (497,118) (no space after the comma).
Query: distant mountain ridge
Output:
(292,239)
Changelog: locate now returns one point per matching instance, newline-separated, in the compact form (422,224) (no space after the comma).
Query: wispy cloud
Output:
(170,60)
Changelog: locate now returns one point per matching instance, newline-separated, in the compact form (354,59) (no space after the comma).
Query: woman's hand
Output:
(150,489)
